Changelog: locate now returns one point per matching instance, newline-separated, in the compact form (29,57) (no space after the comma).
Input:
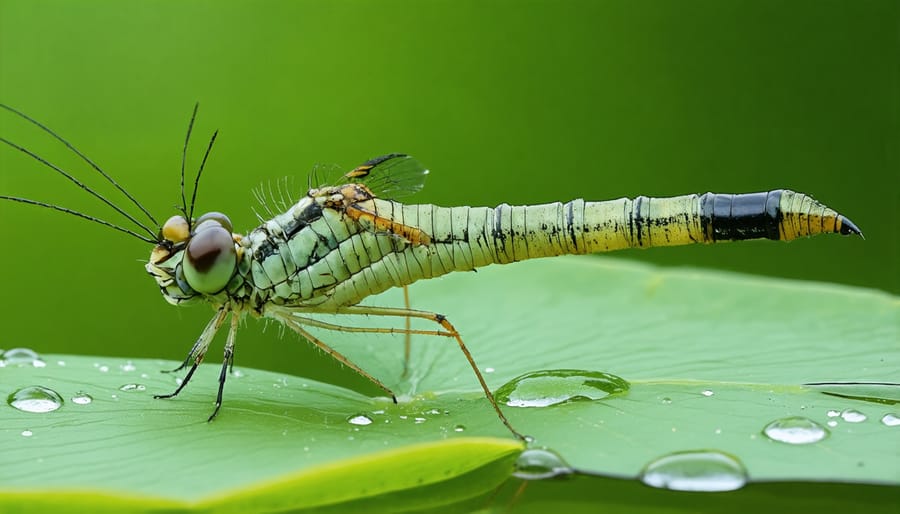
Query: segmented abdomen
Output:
(334,260)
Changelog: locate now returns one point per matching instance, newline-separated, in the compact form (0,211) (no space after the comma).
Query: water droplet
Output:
(833,413)
(22,357)
(489,370)
(35,399)
(82,398)
(832,423)
(128,366)
(891,420)
(433,412)
(552,387)
(539,464)
(459,428)
(133,387)
(795,430)
(360,420)
(700,470)
(27,433)
(667,401)
(707,393)
(419,421)
(103,369)
(237,373)
(61,363)
(853,416)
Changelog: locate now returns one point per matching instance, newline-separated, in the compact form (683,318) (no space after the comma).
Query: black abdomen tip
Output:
(850,228)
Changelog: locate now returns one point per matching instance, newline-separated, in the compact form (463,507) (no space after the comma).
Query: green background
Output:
(517,102)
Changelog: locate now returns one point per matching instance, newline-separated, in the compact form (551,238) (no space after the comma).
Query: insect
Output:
(339,244)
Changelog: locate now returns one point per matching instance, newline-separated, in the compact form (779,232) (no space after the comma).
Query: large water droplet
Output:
(795,430)
(552,387)
(891,420)
(35,399)
(22,357)
(853,416)
(360,420)
(539,464)
(700,470)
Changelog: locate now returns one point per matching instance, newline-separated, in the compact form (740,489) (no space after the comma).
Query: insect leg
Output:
(407,340)
(228,361)
(414,235)
(310,322)
(198,351)
(295,324)
(443,322)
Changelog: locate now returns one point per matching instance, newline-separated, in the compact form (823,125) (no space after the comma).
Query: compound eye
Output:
(210,259)
(176,229)
(217,217)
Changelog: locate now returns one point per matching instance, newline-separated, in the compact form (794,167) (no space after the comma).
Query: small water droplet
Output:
(419,421)
(459,428)
(360,420)
(61,363)
(833,413)
(795,430)
(103,369)
(489,370)
(539,464)
(707,393)
(700,470)
(891,420)
(133,387)
(832,423)
(82,398)
(22,357)
(237,373)
(853,416)
(667,401)
(128,366)
(35,399)
(552,387)
(27,433)
(433,412)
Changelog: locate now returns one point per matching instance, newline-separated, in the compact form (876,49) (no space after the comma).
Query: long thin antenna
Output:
(83,157)
(79,184)
(200,172)
(80,215)
(187,139)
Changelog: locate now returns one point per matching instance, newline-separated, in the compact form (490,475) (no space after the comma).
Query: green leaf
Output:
(675,360)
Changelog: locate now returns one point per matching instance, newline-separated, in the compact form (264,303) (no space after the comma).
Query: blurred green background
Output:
(506,101)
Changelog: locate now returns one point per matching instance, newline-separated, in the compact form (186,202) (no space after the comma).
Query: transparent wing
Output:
(390,176)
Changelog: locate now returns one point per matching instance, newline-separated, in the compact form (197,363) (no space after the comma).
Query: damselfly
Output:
(339,244)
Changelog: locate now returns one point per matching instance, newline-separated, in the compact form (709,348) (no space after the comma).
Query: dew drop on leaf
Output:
(701,470)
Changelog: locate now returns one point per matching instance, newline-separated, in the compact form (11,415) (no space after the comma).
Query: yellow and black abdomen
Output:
(779,215)
(468,237)
(646,222)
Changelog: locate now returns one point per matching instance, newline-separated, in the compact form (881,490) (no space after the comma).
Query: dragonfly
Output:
(340,244)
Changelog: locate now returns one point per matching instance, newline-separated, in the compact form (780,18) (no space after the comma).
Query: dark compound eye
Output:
(210,258)
(217,217)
